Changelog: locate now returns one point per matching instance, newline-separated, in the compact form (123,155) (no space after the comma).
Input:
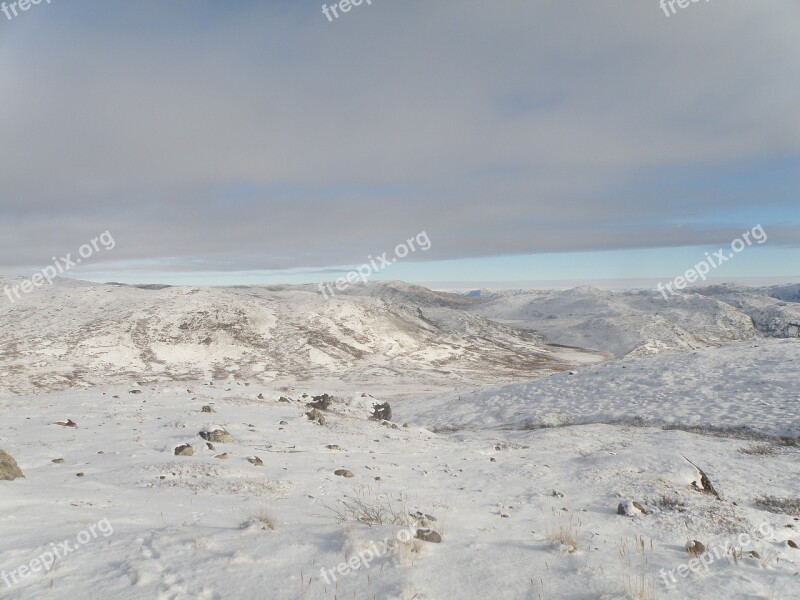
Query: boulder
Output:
(695,548)
(184,450)
(320,402)
(631,509)
(315,415)
(9,470)
(220,436)
(381,412)
(429,535)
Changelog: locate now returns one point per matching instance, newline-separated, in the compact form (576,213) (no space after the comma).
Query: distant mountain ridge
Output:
(80,334)
(641,322)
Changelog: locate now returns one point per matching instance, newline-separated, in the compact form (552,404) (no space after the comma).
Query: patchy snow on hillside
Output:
(78,334)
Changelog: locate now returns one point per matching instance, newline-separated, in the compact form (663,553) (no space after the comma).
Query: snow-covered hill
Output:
(643,322)
(79,334)
(746,388)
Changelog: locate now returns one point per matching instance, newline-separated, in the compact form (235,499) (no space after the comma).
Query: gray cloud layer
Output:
(266,137)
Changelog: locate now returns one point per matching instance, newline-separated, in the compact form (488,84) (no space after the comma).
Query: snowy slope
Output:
(506,502)
(643,322)
(747,386)
(76,333)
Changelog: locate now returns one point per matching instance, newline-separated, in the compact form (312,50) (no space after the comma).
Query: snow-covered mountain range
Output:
(643,322)
(80,334)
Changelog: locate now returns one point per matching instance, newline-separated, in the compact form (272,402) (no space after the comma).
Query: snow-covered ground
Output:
(741,386)
(522,480)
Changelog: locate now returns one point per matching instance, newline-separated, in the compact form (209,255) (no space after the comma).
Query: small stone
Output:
(283,423)
(255,460)
(429,535)
(493,459)
(260,396)
(754,554)
(184,450)
(208,409)
(135,392)
(223,456)
(210,446)
(332,447)
(381,412)
(284,399)
(322,402)
(343,473)
(695,548)
(630,509)
(792,544)
(79,474)
(58,461)
(219,436)
(316,415)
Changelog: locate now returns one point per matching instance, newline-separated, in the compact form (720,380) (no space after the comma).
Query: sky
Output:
(259,142)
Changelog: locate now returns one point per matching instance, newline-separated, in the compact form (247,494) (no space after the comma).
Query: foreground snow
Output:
(194,527)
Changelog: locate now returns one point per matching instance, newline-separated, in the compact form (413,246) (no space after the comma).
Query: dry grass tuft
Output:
(366,506)
(759,450)
(563,532)
(261,518)
(787,506)
(639,582)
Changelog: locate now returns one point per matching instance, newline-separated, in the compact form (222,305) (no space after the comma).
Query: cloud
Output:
(266,137)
